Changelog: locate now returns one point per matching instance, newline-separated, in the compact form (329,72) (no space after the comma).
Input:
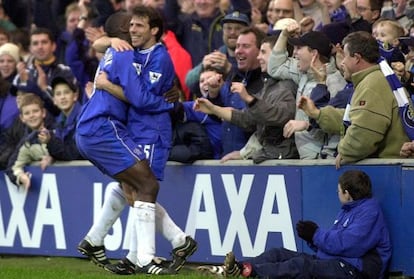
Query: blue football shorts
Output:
(157,157)
(113,150)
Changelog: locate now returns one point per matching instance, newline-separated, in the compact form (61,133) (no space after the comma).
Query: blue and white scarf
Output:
(406,110)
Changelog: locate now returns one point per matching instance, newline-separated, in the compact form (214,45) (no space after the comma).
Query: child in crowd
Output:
(387,32)
(61,140)
(202,132)
(33,115)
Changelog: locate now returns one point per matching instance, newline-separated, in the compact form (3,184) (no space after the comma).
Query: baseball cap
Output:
(315,40)
(236,17)
(117,25)
(60,80)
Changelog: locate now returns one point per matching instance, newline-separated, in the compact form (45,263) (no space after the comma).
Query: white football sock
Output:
(133,245)
(166,226)
(112,207)
(163,224)
(145,231)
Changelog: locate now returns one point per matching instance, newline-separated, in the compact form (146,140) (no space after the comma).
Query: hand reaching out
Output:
(294,126)
(214,84)
(308,106)
(239,88)
(235,155)
(203,105)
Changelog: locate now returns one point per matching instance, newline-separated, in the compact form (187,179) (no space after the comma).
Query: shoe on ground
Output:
(231,266)
(212,270)
(95,253)
(181,253)
(123,267)
(161,261)
(155,269)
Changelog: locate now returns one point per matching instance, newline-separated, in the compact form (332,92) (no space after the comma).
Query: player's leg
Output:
(145,188)
(112,152)
(93,243)
(126,266)
(183,246)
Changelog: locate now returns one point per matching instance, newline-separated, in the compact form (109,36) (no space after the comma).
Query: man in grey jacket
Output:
(312,47)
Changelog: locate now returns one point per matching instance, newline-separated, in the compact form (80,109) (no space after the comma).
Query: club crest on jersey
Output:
(154,77)
(138,68)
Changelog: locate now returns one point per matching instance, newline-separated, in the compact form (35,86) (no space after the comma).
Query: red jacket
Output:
(181,60)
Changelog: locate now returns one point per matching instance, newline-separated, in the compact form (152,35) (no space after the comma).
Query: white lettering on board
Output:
(207,219)
(48,212)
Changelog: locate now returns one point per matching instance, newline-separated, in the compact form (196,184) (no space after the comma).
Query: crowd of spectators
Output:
(240,56)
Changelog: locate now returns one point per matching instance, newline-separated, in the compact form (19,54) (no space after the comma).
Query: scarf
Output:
(405,107)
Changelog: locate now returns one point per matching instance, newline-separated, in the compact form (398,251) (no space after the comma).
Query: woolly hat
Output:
(10,49)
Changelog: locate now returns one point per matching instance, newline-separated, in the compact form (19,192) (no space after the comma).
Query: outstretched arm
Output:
(204,105)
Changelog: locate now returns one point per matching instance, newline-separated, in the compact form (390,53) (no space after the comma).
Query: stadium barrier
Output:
(235,206)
